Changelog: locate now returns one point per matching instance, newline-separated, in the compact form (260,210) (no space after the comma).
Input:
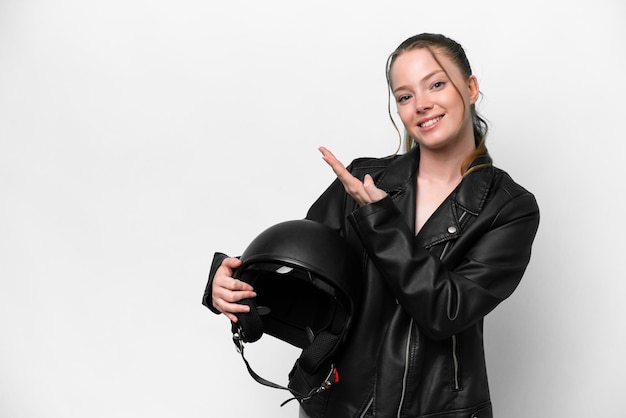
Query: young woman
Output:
(445,236)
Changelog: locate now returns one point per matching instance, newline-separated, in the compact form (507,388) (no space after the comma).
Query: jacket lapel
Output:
(468,197)
(399,180)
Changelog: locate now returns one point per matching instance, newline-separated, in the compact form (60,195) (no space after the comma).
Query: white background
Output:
(138,137)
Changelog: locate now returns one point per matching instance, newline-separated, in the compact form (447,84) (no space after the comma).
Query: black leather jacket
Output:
(416,347)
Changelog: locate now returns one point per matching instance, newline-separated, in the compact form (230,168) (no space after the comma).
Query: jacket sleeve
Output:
(445,301)
(206,299)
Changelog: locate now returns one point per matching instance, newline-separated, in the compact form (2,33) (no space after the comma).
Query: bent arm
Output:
(492,255)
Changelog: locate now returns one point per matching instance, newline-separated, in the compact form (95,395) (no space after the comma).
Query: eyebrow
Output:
(426,77)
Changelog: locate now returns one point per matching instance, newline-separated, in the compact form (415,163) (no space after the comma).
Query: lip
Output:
(424,120)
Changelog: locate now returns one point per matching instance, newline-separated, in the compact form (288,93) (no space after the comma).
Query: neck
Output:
(441,166)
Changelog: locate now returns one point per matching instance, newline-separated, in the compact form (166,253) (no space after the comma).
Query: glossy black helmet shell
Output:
(307,279)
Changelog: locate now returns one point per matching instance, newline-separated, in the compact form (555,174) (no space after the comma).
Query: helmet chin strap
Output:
(249,328)
(330,378)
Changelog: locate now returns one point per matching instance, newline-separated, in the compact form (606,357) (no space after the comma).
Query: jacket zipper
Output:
(406,366)
(408,345)
(367,407)
(408,348)
(455,357)
(455,361)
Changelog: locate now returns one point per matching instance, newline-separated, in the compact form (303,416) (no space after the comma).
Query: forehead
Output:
(420,62)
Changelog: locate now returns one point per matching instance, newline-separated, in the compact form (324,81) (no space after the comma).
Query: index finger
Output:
(340,170)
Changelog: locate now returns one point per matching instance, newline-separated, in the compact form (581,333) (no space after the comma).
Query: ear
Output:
(472,87)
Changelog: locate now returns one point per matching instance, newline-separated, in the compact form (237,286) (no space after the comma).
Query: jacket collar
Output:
(399,180)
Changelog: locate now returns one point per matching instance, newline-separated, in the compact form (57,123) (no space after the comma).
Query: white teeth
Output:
(430,122)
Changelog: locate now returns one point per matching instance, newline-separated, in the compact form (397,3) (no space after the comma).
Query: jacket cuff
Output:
(206,299)
(362,213)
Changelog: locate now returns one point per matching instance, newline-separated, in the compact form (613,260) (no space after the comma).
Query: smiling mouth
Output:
(430,122)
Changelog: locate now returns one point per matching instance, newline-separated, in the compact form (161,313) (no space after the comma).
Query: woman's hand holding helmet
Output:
(227,291)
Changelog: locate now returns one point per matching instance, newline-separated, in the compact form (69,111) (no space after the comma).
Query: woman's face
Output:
(431,109)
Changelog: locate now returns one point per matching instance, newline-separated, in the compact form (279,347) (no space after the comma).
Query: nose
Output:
(422,104)
(423,108)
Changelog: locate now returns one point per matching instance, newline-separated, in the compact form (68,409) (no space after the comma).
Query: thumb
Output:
(375,194)
(230,264)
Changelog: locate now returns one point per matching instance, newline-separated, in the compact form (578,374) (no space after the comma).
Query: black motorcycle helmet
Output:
(307,279)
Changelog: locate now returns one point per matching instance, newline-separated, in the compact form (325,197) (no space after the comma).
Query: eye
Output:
(438,84)
(403,98)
